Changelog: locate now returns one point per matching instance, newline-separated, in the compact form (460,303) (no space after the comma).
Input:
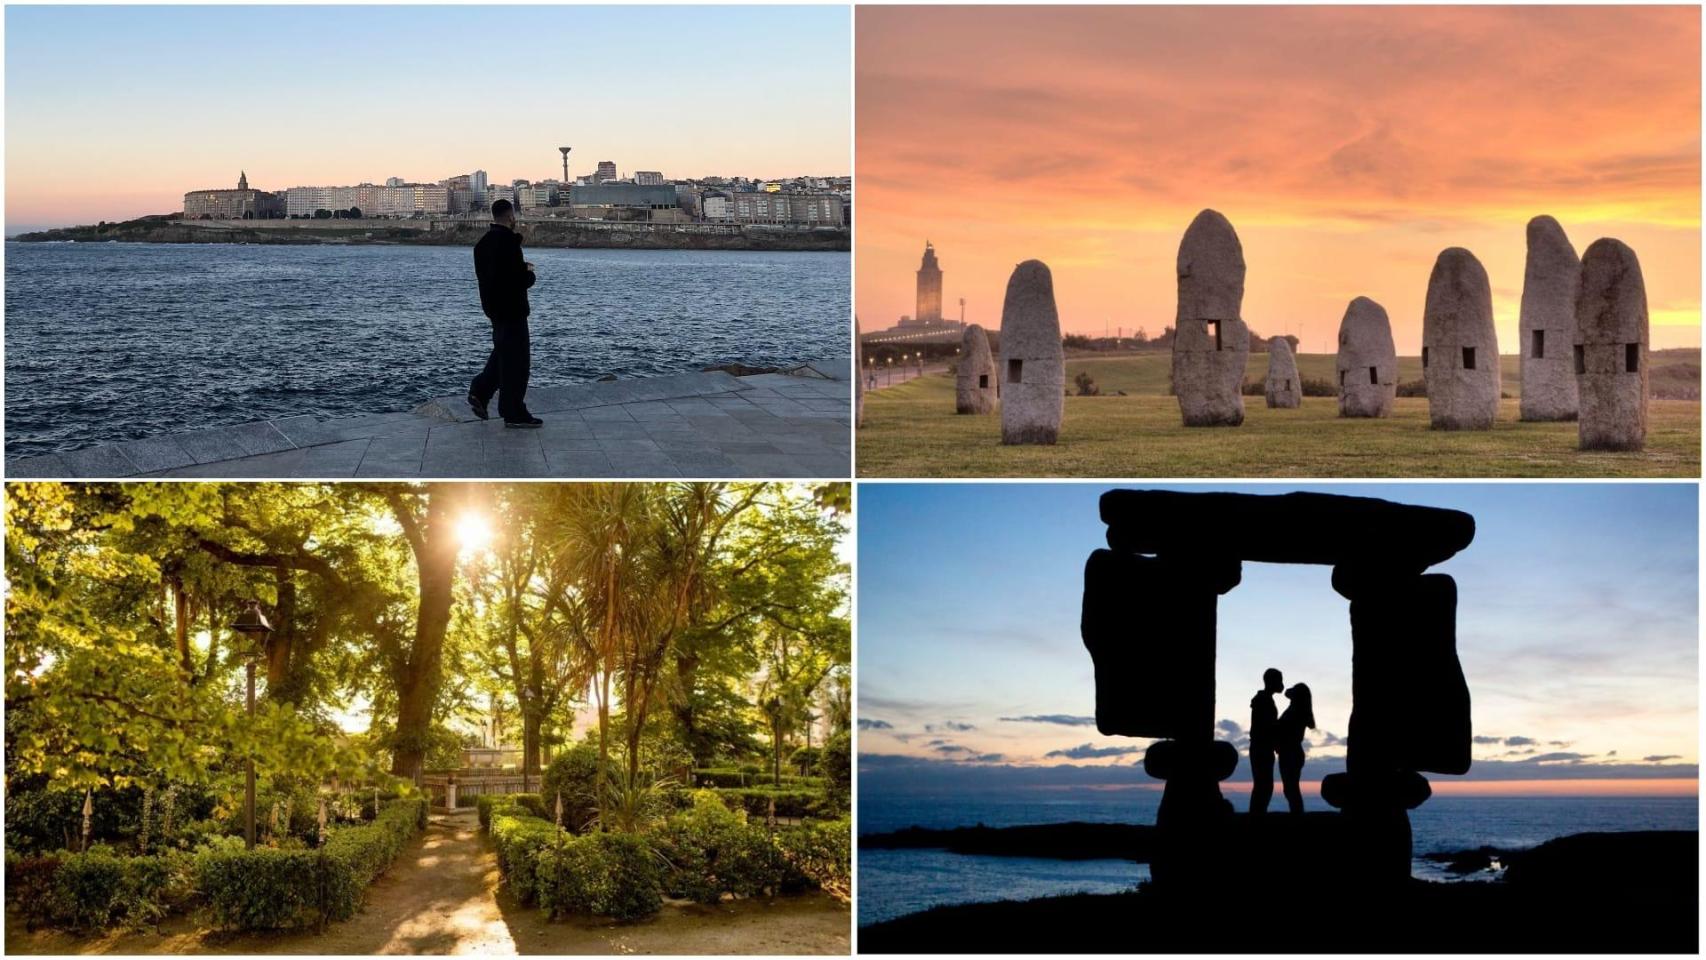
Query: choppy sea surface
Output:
(893,883)
(114,341)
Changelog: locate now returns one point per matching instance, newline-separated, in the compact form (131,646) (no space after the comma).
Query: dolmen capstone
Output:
(1210,340)
(1460,350)
(1367,363)
(1611,349)
(858,376)
(1283,389)
(975,384)
(1149,623)
(1033,365)
(1548,321)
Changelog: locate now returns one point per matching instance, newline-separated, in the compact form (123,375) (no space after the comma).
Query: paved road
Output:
(887,378)
(697,425)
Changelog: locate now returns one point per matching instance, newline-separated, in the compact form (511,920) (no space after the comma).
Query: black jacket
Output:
(503,274)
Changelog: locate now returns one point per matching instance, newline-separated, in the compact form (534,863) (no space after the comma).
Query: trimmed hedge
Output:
(519,839)
(270,889)
(92,890)
(699,854)
(602,874)
(790,802)
(531,804)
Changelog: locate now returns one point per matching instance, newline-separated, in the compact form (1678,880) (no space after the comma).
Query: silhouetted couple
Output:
(504,277)
(1273,733)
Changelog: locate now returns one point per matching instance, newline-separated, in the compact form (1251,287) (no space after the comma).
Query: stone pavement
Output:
(697,425)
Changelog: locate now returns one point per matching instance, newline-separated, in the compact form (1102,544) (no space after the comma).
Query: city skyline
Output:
(1347,145)
(172,131)
(1576,629)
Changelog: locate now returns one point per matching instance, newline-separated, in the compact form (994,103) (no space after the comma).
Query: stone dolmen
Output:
(1548,322)
(1367,363)
(1611,349)
(1283,389)
(976,386)
(1460,350)
(1210,340)
(1149,622)
(1033,366)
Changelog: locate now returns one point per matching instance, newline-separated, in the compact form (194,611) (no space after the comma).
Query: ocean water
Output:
(893,883)
(114,341)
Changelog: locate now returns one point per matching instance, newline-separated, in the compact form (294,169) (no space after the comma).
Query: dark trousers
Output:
(506,370)
(1261,778)
(1291,771)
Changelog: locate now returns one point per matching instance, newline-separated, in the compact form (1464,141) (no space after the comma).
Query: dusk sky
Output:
(1577,630)
(115,112)
(1347,145)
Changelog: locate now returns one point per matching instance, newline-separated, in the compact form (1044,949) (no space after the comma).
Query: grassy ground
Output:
(911,430)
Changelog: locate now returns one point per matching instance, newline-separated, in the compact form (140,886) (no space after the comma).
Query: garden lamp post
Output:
(252,623)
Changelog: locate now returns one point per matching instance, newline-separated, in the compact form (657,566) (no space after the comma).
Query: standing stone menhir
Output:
(1367,364)
(1283,390)
(1210,340)
(1611,349)
(1549,285)
(1033,366)
(975,384)
(1460,350)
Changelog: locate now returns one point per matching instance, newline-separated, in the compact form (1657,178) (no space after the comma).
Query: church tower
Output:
(929,289)
(242,180)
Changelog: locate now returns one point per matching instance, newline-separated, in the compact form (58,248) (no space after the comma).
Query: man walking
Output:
(1264,719)
(504,278)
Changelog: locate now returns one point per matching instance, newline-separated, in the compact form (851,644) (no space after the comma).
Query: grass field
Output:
(911,430)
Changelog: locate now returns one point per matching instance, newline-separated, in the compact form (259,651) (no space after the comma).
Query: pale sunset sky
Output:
(114,112)
(1347,145)
(1577,628)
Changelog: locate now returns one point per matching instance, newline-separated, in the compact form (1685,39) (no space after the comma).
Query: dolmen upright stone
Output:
(1033,365)
(1549,285)
(1611,349)
(1367,363)
(976,387)
(1210,339)
(1283,389)
(1460,349)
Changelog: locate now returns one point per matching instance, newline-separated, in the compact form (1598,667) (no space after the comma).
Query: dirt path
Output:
(442,896)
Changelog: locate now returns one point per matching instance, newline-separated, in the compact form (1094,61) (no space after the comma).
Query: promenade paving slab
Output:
(698,425)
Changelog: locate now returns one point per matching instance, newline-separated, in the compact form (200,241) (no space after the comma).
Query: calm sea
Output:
(113,341)
(897,882)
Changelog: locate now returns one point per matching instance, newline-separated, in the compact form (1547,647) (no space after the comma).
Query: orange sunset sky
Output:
(1348,146)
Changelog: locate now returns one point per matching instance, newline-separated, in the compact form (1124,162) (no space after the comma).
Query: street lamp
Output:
(889,381)
(252,623)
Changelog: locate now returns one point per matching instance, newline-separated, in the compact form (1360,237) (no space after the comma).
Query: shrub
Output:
(711,850)
(1413,388)
(574,774)
(89,891)
(274,889)
(835,766)
(734,777)
(601,874)
(790,801)
(261,889)
(520,839)
(821,852)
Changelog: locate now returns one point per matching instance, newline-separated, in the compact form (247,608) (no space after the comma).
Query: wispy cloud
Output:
(1065,720)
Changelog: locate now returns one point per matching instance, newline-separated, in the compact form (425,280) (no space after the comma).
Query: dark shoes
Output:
(479,406)
(531,423)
